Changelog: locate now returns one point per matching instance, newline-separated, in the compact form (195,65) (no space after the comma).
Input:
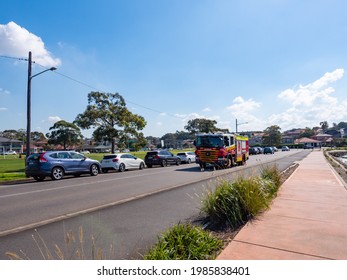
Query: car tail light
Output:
(157,157)
(42,158)
(115,159)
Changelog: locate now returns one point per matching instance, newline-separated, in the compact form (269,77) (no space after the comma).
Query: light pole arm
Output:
(30,77)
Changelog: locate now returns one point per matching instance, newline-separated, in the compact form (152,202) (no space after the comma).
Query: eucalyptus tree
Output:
(108,115)
(272,136)
(65,134)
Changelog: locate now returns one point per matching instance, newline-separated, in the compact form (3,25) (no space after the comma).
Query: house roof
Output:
(306,140)
(323,135)
(7,140)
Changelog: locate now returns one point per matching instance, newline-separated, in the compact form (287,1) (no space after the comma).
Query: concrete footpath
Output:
(307,220)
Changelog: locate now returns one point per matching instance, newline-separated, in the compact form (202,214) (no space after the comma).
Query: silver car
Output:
(121,162)
(186,157)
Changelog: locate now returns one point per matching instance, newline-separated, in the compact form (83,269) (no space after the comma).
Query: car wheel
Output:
(189,161)
(39,178)
(94,170)
(142,166)
(57,173)
(164,163)
(121,167)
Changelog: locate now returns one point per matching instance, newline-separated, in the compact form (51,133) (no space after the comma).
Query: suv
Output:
(58,163)
(162,158)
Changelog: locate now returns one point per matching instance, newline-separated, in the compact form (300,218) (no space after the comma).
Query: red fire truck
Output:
(221,150)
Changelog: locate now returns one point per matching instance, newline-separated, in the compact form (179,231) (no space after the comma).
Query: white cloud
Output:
(3,109)
(17,41)
(4,92)
(312,103)
(242,105)
(242,110)
(54,119)
(207,109)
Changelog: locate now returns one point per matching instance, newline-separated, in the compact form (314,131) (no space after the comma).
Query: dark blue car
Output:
(56,164)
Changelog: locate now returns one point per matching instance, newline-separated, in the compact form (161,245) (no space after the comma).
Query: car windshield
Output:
(209,141)
(110,156)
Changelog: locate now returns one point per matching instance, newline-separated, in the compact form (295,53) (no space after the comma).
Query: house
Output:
(324,138)
(308,143)
(7,144)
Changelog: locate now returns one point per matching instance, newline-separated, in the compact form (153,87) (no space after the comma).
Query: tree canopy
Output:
(201,126)
(272,136)
(65,134)
(108,114)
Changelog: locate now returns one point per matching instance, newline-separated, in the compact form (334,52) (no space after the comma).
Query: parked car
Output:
(268,150)
(121,162)
(162,158)
(260,149)
(186,157)
(56,164)
(285,149)
(275,149)
(254,151)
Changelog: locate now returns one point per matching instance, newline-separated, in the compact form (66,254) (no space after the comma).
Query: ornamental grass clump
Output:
(272,179)
(185,242)
(233,204)
(252,195)
(224,207)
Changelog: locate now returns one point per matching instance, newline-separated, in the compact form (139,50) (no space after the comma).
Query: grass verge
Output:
(229,206)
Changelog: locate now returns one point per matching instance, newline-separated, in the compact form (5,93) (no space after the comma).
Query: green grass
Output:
(11,168)
(185,242)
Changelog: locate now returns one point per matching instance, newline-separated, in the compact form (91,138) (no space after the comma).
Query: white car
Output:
(121,162)
(186,157)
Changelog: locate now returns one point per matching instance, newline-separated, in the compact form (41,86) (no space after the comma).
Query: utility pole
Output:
(237,124)
(27,152)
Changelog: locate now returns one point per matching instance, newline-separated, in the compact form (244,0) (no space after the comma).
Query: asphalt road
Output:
(124,212)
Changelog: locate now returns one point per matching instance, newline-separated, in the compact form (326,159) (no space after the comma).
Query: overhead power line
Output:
(92,87)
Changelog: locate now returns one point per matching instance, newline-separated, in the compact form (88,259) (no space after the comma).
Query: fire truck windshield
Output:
(209,141)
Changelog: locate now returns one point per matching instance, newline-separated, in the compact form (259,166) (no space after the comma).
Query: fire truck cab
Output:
(221,150)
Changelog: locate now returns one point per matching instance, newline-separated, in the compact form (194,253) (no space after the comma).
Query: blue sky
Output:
(263,62)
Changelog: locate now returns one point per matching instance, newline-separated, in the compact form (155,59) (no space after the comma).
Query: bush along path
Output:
(226,209)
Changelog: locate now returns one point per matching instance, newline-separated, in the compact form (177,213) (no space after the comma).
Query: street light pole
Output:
(237,124)
(27,152)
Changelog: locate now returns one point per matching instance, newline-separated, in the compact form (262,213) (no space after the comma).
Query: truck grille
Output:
(208,155)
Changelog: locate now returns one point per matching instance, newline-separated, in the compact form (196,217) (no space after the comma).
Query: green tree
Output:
(272,136)
(65,134)
(201,126)
(107,112)
(170,140)
(324,125)
(307,133)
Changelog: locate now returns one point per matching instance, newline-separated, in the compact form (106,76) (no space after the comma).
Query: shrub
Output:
(185,242)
